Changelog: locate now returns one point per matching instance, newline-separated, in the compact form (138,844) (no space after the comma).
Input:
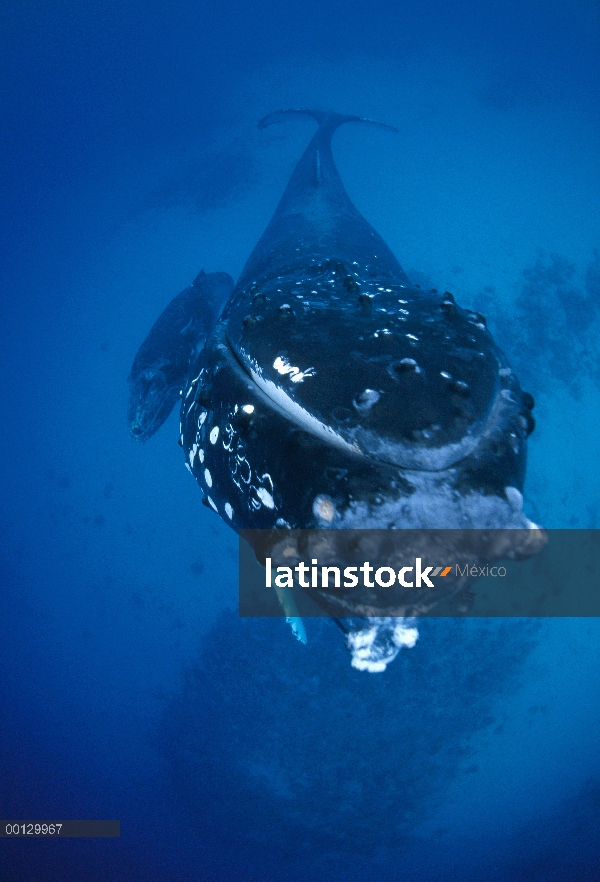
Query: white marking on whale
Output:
(295,412)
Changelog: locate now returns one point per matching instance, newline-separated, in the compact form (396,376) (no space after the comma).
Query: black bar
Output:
(59,829)
(538,573)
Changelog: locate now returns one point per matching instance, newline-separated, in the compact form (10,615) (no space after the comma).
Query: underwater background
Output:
(129,687)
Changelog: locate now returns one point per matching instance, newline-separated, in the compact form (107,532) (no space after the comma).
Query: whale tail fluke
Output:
(315,216)
(327,120)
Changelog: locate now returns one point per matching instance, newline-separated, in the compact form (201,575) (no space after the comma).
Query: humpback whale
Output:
(332,393)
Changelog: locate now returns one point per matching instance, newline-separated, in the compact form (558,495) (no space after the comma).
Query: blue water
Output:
(129,687)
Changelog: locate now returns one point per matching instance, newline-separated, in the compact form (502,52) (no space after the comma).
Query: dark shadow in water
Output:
(208,182)
(552,333)
(285,751)
(565,846)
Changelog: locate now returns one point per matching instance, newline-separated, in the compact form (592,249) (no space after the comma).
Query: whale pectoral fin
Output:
(162,364)
(288,605)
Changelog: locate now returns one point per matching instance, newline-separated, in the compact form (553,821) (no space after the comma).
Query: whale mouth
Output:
(396,374)
(275,465)
(276,398)
(363,442)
